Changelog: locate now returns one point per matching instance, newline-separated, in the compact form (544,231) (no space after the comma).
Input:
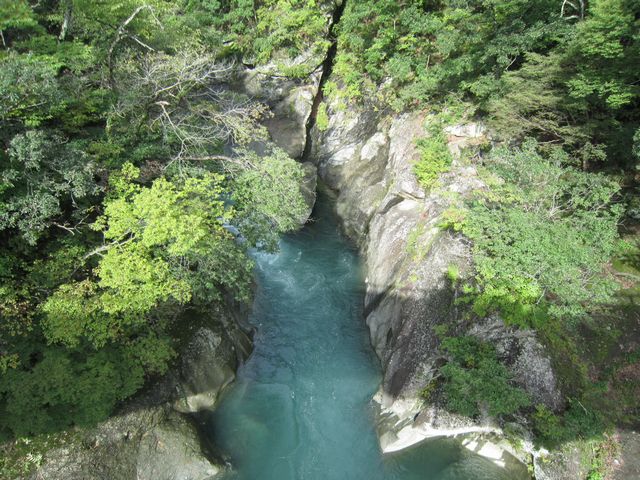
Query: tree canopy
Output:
(126,157)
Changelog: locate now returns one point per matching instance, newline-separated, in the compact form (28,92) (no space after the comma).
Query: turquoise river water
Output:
(301,406)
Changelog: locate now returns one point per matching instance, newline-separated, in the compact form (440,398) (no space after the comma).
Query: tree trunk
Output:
(66,20)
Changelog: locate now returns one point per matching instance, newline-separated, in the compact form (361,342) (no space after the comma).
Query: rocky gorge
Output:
(366,157)
(368,160)
(331,239)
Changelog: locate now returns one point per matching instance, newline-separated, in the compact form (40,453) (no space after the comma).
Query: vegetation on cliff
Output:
(564,72)
(557,84)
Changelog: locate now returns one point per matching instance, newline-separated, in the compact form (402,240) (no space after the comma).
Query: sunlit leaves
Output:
(161,239)
(543,250)
(268,197)
(115,200)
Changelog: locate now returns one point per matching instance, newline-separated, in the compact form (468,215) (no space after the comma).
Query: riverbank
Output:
(301,406)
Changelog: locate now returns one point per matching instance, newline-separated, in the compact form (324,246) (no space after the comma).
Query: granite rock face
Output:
(207,366)
(521,351)
(146,444)
(368,158)
(308,189)
(290,102)
(290,105)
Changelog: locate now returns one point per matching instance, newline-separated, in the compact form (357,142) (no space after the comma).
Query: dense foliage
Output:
(537,67)
(476,382)
(117,184)
(292,33)
(540,235)
(557,84)
(543,233)
(435,157)
(116,195)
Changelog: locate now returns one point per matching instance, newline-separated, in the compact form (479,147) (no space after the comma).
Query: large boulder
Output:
(207,366)
(290,102)
(146,444)
(213,345)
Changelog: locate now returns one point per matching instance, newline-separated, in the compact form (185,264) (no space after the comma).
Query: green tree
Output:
(116,115)
(523,269)
(267,197)
(164,244)
(604,46)
(43,172)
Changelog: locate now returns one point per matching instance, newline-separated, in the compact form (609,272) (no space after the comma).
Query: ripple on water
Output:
(301,407)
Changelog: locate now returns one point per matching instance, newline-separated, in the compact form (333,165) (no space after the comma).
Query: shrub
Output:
(541,236)
(322,117)
(453,218)
(576,423)
(475,379)
(453,274)
(435,158)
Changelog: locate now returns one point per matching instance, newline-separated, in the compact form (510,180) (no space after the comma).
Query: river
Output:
(301,406)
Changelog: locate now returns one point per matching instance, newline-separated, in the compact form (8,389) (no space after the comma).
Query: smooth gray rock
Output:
(208,365)
(215,344)
(351,157)
(308,189)
(288,125)
(290,103)
(627,465)
(147,444)
(368,158)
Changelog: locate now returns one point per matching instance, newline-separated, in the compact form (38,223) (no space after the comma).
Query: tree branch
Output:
(122,33)
(66,19)
(103,248)
(578,9)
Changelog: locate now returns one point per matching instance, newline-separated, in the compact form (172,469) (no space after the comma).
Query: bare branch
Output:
(184,98)
(66,19)
(122,33)
(141,43)
(71,230)
(104,248)
(577,9)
